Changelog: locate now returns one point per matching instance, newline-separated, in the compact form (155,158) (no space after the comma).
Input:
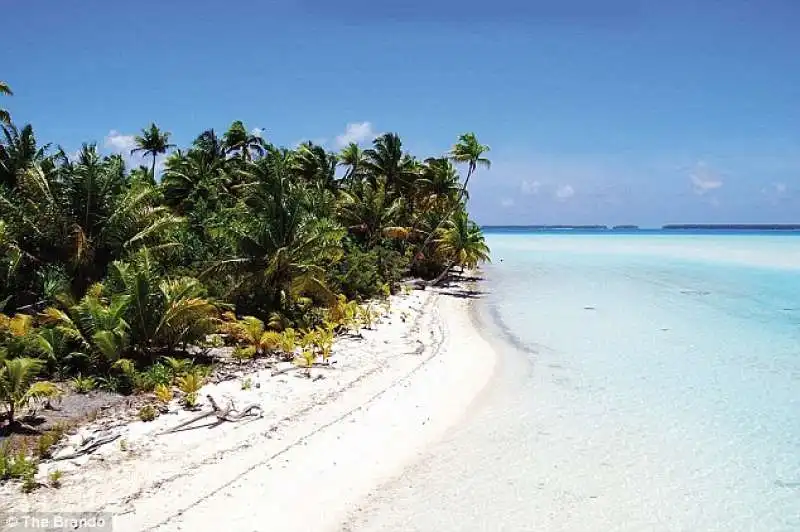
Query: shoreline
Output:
(319,449)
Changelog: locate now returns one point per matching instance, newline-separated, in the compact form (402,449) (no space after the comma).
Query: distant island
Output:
(625,228)
(734,227)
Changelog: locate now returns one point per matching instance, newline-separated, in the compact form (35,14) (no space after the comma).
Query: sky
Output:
(612,112)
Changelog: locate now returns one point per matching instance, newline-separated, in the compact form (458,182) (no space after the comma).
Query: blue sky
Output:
(619,111)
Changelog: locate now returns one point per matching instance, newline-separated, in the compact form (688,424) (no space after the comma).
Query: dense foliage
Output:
(105,270)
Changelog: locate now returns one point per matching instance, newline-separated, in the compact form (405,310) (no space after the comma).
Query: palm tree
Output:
(238,140)
(460,243)
(353,157)
(18,152)
(467,150)
(313,164)
(370,212)
(387,159)
(17,388)
(5,117)
(438,186)
(153,142)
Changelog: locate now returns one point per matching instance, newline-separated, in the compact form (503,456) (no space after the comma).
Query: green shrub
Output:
(147,413)
(16,464)
(83,384)
(363,274)
(158,373)
(47,440)
(55,478)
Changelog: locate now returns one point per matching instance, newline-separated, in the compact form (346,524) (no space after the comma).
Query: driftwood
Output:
(295,368)
(222,414)
(88,446)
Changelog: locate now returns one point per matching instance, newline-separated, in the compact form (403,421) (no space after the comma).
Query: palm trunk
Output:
(442,275)
(153,168)
(447,217)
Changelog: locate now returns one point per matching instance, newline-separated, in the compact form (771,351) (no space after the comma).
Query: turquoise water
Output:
(648,382)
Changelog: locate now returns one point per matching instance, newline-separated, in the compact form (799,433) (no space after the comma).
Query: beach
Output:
(320,447)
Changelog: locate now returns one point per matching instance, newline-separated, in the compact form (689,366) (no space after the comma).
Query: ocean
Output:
(647,381)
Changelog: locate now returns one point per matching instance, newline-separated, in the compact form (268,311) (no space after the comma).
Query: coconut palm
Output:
(371,213)
(460,243)
(163,313)
(315,165)
(153,142)
(386,159)
(5,117)
(238,141)
(470,152)
(352,156)
(467,150)
(96,324)
(18,152)
(17,386)
(438,187)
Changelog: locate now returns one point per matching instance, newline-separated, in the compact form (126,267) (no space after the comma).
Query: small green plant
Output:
(29,483)
(16,464)
(288,342)
(324,342)
(386,290)
(214,341)
(163,393)
(190,400)
(367,315)
(190,384)
(178,366)
(45,443)
(123,445)
(149,379)
(243,354)
(147,413)
(55,478)
(83,385)
(306,359)
(247,383)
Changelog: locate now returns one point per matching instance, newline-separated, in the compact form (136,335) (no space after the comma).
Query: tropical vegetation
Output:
(109,275)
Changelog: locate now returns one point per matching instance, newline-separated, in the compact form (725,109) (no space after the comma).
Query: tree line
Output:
(104,269)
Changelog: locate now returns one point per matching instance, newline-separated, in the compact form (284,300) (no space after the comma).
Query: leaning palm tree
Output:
(467,150)
(5,117)
(460,243)
(352,156)
(152,142)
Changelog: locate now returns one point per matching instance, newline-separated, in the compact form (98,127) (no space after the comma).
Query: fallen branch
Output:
(222,414)
(88,446)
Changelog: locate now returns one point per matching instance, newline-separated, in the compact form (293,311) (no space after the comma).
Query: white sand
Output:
(320,448)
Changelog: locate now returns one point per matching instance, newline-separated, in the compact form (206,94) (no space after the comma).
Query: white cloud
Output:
(119,143)
(507,202)
(564,192)
(530,187)
(356,132)
(704,179)
(780,188)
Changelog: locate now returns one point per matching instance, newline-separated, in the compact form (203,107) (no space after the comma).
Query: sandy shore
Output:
(320,447)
